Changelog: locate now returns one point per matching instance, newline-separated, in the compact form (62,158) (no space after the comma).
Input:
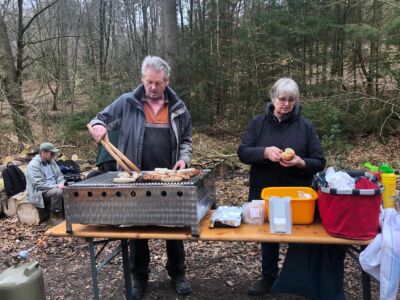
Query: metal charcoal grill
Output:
(99,201)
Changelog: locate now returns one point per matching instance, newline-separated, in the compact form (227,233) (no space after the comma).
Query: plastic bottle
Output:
(374,170)
(389,194)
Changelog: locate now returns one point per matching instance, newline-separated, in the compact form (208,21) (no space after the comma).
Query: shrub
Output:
(327,120)
(100,96)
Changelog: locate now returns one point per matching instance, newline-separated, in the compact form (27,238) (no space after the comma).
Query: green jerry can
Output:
(22,282)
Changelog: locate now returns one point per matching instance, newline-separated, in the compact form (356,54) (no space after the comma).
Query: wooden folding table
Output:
(306,234)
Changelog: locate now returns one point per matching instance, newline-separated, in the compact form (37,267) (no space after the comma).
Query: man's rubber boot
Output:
(181,285)
(139,289)
(260,287)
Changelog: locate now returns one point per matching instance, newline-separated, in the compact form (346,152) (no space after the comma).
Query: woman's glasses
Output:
(285,99)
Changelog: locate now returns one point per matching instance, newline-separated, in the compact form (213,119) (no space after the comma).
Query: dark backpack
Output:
(70,170)
(14,180)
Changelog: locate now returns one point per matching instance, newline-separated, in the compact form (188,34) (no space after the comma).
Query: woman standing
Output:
(281,126)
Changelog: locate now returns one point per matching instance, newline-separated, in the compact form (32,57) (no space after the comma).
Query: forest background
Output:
(63,61)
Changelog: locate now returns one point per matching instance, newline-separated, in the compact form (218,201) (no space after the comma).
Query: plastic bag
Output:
(254,212)
(226,216)
(339,180)
(381,258)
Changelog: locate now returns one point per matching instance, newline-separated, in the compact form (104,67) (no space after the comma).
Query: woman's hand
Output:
(272,153)
(297,162)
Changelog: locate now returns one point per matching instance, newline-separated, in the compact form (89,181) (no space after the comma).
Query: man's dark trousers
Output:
(140,259)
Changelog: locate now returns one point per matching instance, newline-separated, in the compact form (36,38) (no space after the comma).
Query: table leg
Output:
(366,281)
(126,266)
(93,269)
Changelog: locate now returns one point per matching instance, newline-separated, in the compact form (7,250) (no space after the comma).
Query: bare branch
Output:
(37,14)
(390,4)
(51,38)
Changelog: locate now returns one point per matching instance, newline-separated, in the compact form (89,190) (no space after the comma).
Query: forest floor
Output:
(217,270)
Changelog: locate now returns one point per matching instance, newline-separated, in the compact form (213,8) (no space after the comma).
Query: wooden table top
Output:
(308,234)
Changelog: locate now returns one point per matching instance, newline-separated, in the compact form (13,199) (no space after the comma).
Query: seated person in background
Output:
(45,182)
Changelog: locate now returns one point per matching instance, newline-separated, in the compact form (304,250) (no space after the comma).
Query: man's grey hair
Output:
(157,64)
(285,87)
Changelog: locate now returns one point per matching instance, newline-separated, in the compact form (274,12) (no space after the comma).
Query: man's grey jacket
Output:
(36,180)
(126,114)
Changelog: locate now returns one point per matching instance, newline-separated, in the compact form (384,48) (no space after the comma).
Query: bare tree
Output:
(169,29)
(11,74)
(63,16)
(11,87)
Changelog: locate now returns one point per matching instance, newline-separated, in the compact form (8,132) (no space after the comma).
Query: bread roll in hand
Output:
(288,154)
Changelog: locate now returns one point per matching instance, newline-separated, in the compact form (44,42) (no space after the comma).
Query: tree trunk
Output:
(108,34)
(145,43)
(66,92)
(102,29)
(181,19)
(12,88)
(89,40)
(375,46)
(169,29)
(3,197)
(154,30)
(133,35)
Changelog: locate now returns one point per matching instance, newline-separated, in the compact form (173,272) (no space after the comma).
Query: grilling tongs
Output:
(116,154)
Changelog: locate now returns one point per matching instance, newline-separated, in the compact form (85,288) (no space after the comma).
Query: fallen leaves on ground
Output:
(217,270)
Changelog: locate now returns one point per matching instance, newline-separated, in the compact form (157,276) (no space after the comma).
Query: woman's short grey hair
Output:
(157,64)
(285,87)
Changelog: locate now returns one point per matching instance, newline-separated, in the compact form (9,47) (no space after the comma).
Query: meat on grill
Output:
(124,177)
(167,175)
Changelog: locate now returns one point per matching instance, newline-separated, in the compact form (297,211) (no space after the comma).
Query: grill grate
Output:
(106,180)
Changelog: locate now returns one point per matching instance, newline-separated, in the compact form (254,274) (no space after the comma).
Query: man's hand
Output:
(60,186)
(272,153)
(297,162)
(98,132)
(180,164)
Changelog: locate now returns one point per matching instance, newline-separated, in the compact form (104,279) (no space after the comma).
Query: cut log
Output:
(3,197)
(28,214)
(10,205)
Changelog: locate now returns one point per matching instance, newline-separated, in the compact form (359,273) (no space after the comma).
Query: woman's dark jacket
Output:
(293,131)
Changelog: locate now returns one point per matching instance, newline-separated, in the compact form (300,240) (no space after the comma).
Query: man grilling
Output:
(155,132)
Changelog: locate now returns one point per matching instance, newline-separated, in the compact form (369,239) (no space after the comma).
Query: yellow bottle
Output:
(389,194)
